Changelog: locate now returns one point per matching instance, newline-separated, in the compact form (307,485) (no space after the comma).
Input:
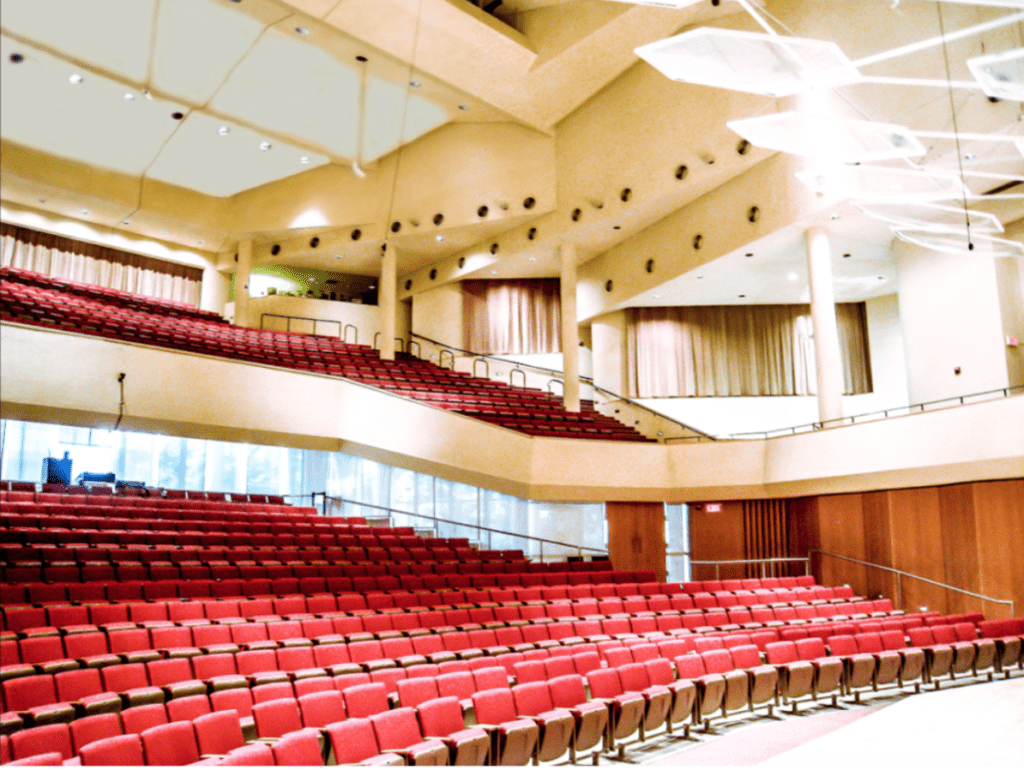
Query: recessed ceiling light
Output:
(656,296)
(361,58)
(748,255)
(881,278)
(163,232)
(75,79)
(223,130)
(700,277)
(533,259)
(17,58)
(304,160)
(85,212)
(847,256)
(464,107)
(125,222)
(129,97)
(302,30)
(42,200)
(835,217)
(177,115)
(616,227)
(792,277)
(373,286)
(438,237)
(338,256)
(971,156)
(201,242)
(741,296)
(147,94)
(265,146)
(494,272)
(414,83)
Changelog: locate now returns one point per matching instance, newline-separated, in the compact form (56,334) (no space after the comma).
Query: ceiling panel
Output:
(97,121)
(197,44)
(111,35)
(202,157)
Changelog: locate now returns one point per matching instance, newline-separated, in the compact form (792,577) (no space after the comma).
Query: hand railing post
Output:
(899,591)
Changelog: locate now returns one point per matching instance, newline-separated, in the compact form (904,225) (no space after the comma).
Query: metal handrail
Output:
(586,380)
(541,540)
(763,562)
(440,359)
(560,382)
(512,372)
(487,366)
(344,334)
(901,574)
(290,318)
(414,342)
(903,411)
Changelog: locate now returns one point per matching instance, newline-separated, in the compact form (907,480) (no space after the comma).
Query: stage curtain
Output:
(738,350)
(512,317)
(89,263)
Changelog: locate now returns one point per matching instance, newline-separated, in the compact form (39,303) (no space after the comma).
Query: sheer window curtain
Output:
(738,350)
(88,263)
(514,317)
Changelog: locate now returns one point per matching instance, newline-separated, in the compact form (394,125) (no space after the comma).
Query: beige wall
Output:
(949,311)
(437,314)
(1010,282)
(366,318)
(609,339)
(198,396)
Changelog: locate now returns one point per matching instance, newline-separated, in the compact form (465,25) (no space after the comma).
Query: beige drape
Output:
(89,263)
(512,317)
(738,350)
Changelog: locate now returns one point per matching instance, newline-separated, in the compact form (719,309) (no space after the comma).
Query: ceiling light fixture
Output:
(125,222)
(265,146)
(200,242)
(302,30)
(223,130)
(958,243)
(533,259)
(337,256)
(414,83)
(304,160)
(75,79)
(837,139)
(438,237)
(881,183)
(147,94)
(931,217)
(464,107)
(792,277)
(129,97)
(753,62)
(85,212)
(1001,75)
(17,58)
(494,272)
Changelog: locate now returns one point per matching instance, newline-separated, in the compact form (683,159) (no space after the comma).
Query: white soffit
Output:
(836,139)
(661,3)
(957,243)
(199,41)
(881,183)
(1001,75)
(111,35)
(299,90)
(96,121)
(754,62)
(930,217)
(201,157)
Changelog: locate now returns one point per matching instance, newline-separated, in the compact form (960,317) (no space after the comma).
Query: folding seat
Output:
(710,687)
(432,648)
(964,652)
(859,668)
(365,700)
(185,613)
(262,693)
(170,745)
(62,616)
(320,709)
(763,680)
(132,645)
(35,699)
(828,671)
(796,677)
(633,677)
(240,702)
(984,649)
(887,662)
(218,732)
(219,671)
(298,749)
(84,689)
(251,636)
(131,682)
(41,740)
(187,709)
(259,667)
(90,729)
(1009,640)
(684,693)
(115,751)
(46,654)
(299,662)
(275,718)
(939,658)
(627,710)
(335,659)
(401,650)
(513,740)
(354,742)
(141,718)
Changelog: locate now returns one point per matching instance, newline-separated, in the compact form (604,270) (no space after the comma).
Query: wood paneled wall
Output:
(636,536)
(717,536)
(967,535)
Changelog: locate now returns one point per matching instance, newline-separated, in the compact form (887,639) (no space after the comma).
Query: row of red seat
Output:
(638,690)
(524,409)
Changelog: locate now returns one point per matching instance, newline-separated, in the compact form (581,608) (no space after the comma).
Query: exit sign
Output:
(713,507)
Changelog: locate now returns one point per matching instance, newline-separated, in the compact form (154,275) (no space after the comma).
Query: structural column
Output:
(242,282)
(214,291)
(387,301)
(570,329)
(826,331)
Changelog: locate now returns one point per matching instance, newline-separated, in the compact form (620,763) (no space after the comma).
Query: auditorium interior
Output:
(480,382)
